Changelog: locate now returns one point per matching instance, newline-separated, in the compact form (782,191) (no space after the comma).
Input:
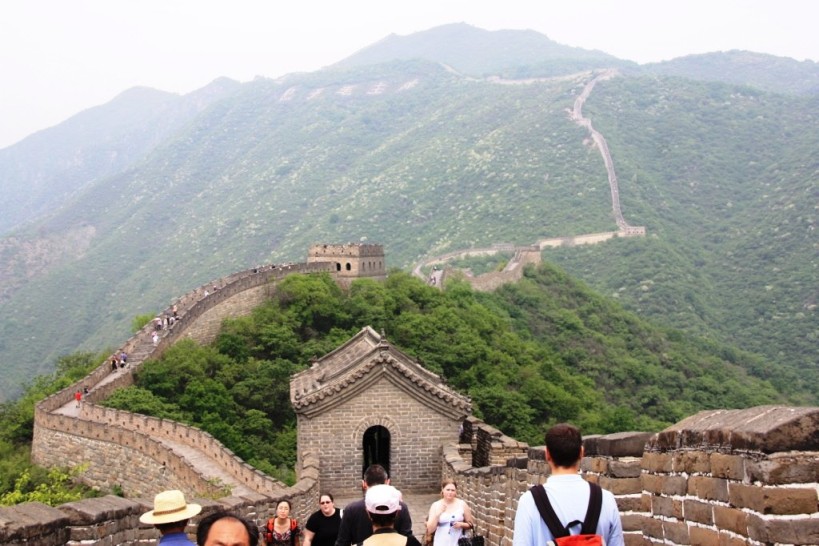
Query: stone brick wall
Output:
(719,477)
(120,448)
(114,521)
(416,434)
(734,477)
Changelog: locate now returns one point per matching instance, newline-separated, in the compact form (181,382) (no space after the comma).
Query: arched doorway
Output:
(376,447)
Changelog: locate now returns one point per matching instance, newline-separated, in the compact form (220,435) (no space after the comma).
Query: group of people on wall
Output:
(565,505)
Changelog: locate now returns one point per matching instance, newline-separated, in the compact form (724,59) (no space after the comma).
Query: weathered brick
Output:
(625,468)
(653,528)
(632,522)
(793,531)
(630,503)
(663,485)
(598,465)
(698,511)
(784,468)
(708,488)
(770,500)
(645,502)
(692,462)
(635,539)
(731,467)
(667,507)
(654,461)
(701,536)
(731,519)
(676,532)
(621,486)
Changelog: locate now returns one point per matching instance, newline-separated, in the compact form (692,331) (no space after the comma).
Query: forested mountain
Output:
(46,169)
(475,52)
(766,72)
(530,355)
(424,159)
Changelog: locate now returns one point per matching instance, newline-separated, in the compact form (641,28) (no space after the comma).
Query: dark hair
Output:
(564,443)
(325,494)
(375,475)
(171,525)
(203,529)
(383,520)
(448,481)
(289,505)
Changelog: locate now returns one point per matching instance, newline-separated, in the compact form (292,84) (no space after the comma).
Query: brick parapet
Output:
(113,520)
(114,427)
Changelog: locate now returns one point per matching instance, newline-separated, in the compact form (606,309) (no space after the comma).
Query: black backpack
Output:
(588,530)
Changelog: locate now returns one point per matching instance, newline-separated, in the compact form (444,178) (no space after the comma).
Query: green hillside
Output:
(425,160)
(723,179)
(538,352)
(43,171)
(765,72)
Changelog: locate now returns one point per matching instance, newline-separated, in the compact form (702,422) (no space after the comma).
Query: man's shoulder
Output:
(355,505)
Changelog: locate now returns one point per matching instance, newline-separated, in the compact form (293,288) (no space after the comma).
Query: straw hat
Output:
(169,507)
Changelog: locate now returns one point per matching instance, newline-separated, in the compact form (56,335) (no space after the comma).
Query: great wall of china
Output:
(523,255)
(721,477)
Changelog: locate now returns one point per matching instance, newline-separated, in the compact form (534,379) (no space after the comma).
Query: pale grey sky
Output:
(58,57)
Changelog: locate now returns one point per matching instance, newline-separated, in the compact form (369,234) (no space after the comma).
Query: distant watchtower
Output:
(352,261)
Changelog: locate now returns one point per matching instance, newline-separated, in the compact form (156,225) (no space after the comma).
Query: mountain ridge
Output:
(404,153)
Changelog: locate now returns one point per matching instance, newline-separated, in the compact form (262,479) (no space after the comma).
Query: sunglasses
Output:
(326,502)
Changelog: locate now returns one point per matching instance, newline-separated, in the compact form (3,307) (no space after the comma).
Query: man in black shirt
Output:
(356,525)
(383,503)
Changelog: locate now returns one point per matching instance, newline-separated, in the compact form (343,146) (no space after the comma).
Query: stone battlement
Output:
(718,477)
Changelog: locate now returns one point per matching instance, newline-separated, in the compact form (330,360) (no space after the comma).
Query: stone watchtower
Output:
(352,261)
(366,402)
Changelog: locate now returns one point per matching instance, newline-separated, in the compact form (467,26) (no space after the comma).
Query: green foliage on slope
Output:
(766,72)
(538,352)
(422,160)
(722,178)
(20,481)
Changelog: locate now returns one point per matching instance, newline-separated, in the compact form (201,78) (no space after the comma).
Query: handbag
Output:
(474,540)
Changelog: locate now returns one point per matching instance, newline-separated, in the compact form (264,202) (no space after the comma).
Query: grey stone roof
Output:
(366,358)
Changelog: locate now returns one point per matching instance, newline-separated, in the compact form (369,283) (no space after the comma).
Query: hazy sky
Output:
(58,57)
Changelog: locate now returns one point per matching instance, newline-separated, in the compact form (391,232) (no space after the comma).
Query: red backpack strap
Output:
(293,524)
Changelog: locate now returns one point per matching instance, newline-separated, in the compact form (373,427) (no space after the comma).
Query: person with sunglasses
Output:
(323,524)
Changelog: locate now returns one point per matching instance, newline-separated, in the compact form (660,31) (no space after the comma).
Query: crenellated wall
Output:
(135,452)
(114,521)
(722,477)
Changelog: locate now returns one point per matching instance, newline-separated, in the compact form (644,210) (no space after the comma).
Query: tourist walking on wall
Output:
(322,526)
(568,494)
(170,516)
(449,516)
(78,397)
(282,530)
(356,525)
(226,529)
(383,504)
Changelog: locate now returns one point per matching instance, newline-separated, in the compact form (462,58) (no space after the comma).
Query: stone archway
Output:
(375,447)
